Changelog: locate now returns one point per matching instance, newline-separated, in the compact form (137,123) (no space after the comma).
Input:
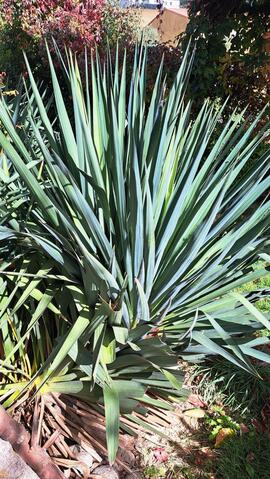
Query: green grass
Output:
(245,457)
(222,382)
(261,283)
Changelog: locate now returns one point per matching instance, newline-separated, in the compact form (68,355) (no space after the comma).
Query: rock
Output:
(106,472)
(126,456)
(82,455)
(12,466)
(134,475)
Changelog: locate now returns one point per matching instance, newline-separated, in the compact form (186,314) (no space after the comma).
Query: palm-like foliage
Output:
(124,228)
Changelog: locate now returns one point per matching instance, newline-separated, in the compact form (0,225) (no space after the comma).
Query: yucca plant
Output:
(123,232)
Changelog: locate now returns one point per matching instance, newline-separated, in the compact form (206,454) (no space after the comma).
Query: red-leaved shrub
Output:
(77,24)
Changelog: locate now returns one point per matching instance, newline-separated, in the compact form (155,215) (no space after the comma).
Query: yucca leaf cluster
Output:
(125,225)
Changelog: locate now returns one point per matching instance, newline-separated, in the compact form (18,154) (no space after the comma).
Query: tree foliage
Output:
(230,57)
(218,9)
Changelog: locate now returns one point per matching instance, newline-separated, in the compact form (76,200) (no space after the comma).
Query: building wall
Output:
(154,3)
(169,25)
(147,15)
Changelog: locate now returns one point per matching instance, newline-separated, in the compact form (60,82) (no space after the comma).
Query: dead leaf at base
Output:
(197,412)
(224,434)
